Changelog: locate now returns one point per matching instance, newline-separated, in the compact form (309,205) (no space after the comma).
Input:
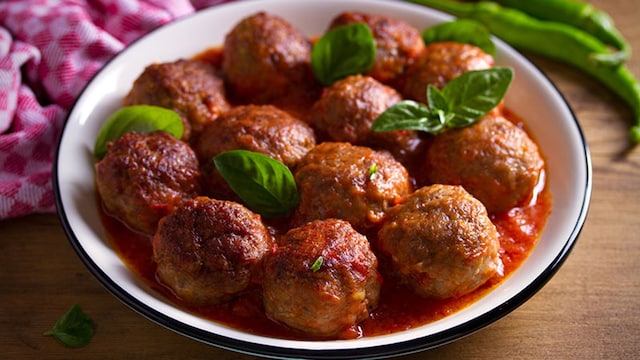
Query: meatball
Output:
(347,109)
(440,63)
(266,59)
(143,177)
(322,280)
(190,88)
(441,242)
(259,128)
(493,159)
(207,251)
(353,183)
(397,43)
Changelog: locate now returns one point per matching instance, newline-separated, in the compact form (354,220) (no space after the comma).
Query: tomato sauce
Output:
(398,309)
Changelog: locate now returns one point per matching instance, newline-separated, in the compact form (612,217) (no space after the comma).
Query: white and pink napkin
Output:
(49,50)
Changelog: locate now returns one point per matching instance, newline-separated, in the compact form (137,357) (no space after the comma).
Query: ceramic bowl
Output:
(532,96)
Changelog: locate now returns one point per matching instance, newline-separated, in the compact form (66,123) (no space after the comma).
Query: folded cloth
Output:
(49,50)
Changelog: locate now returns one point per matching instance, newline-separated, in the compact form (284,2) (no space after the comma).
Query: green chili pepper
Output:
(583,16)
(554,40)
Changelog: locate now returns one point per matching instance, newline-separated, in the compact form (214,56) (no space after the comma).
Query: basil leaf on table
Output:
(74,328)
(343,51)
(462,102)
(139,118)
(264,184)
(464,31)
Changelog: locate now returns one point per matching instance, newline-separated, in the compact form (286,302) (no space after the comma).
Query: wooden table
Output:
(589,310)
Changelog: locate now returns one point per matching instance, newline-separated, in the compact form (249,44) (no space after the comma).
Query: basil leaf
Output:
(410,115)
(74,328)
(139,118)
(343,51)
(462,102)
(437,99)
(265,185)
(474,93)
(464,31)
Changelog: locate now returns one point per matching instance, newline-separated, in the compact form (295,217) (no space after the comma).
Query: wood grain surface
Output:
(589,310)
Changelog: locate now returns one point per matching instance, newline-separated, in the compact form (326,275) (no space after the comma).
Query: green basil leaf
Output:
(410,115)
(474,93)
(462,102)
(74,328)
(139,118)
(464,31)
(343,51)
(437,100)
(265,185)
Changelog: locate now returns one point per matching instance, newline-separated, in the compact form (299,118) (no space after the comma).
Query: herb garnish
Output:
(264,184)
(461,103)
(343,51)
(74,328)
(464,31)
(139,118)
(317,264)
(373,169)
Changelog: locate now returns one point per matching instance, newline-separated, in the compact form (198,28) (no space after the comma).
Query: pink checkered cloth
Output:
(49,49)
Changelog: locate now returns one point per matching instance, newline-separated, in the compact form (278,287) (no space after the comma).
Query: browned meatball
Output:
(189,87)
(347,109)
(397,43)
(438,64)
(493,159)
(259,128)
(207,251)
(265,59)
(353,183)
(330,298)
(143,177)
(441,242)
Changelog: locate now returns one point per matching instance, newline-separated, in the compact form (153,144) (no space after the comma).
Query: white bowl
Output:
(531,95)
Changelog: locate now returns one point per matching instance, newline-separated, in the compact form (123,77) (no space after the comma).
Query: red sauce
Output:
(399,308)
